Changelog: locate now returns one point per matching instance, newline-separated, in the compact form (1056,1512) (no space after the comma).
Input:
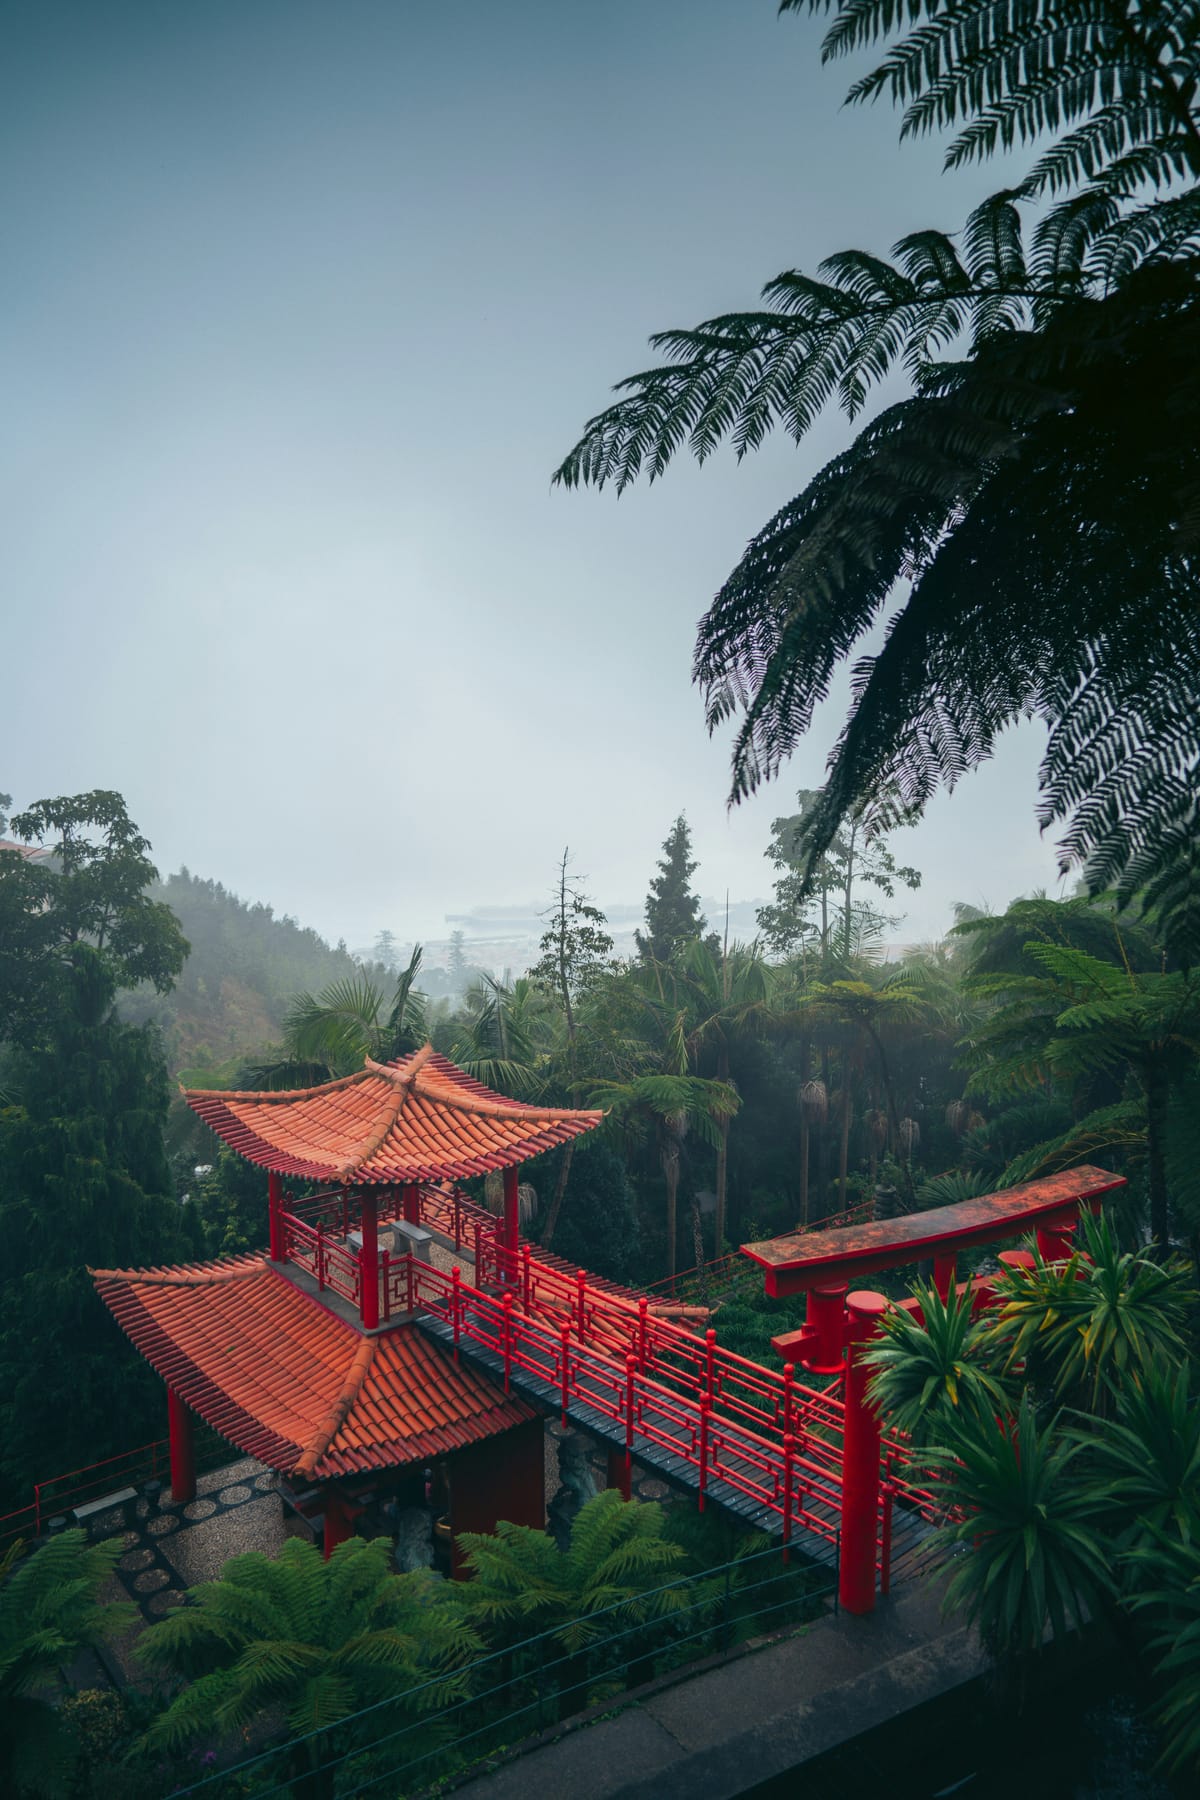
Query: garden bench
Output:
(90,1515)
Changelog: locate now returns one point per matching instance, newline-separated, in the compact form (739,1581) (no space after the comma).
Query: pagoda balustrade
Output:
(314,1232)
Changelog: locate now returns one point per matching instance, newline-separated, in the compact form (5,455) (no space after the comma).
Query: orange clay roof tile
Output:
(420,1118)
(289,1382)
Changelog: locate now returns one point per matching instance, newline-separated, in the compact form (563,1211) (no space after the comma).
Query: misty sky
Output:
(302,304)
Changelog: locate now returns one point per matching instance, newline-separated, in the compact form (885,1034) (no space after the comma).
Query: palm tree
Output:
(862,1015)
(728,999)
(309,1640)
(354,1018)
(1078,1017)
(507,1032)
(615,1573)
(1039,494)
(50,1610)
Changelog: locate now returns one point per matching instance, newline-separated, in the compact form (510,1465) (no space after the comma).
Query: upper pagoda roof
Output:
(289,1382)
(420,1118)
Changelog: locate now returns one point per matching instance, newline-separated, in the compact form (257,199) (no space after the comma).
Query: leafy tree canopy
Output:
(90,889)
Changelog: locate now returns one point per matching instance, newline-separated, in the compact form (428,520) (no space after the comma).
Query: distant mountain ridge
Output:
(245,966)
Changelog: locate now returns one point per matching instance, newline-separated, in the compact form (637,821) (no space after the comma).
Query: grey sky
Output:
(303,302)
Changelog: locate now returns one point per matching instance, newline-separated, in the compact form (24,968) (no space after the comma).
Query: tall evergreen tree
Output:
(673,915)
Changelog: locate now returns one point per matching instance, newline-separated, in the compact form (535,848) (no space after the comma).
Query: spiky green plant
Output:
(1171,1570)
(1149,1458)
(938,1374)
(1032,1519)
(50,1610)
(1094,1322)
(311,1640)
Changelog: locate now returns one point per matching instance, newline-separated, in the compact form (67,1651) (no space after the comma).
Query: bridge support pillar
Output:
(945,1270)
(860,1461)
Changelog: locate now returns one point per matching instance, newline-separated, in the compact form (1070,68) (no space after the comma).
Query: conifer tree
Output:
(673,915)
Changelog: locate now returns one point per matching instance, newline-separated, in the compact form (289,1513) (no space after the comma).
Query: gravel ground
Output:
(201,1551)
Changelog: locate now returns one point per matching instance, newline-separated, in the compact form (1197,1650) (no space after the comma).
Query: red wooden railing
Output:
(792,1473)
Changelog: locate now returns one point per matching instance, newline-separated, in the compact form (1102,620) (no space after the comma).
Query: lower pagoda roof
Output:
(420,1118)
(292,1384)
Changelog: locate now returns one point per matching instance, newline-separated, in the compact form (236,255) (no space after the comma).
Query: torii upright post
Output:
(860,1460)
(512,1224)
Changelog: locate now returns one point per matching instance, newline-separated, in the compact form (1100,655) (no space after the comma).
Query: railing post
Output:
(345,1212)
(385,1266)
(368,1285)
(412,1284)
(789,1475)
(630,1378)
(512,1223)
(581,1304)
(508,1306)
(320,1255)
(643,1317)
(274,1216)
(710,1348)
(564,1344)
(527,1277)
(703,1452)
(789,1382)
(885,1543)
(457,1223)
(456,1305)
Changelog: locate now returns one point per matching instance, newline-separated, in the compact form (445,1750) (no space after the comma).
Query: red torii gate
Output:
(840,1322)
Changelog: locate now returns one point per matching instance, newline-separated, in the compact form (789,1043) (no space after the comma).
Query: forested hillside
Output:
(244,965)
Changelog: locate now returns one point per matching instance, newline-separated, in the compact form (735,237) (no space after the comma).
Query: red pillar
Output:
(412,1203)
(945,1266)
(860,1461)
(337,1523)
(512,1223)
(369,1261)
(183,1451)
(1056,1239)
(825,1312)
(274,1209)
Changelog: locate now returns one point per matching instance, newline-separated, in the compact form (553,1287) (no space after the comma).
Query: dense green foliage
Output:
(50,1610)
(84,1178)
(1035,499)
(1061,1429)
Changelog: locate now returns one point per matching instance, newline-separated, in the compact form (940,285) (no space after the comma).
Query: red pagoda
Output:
(309,1358)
